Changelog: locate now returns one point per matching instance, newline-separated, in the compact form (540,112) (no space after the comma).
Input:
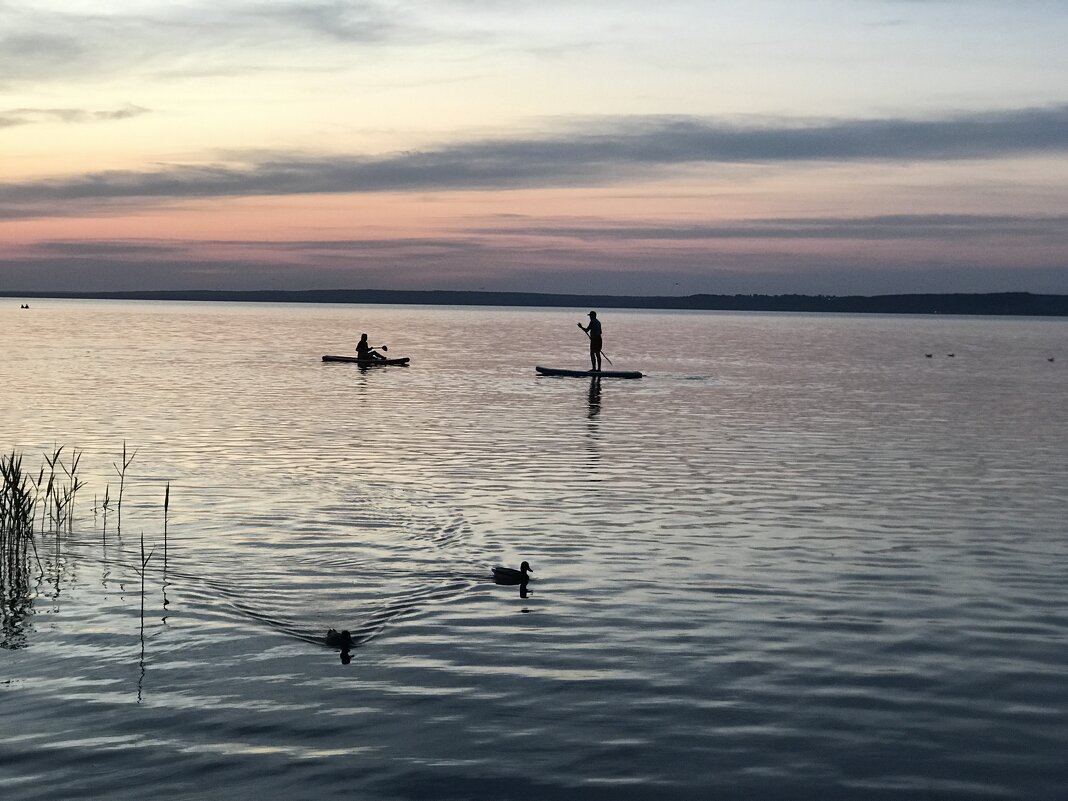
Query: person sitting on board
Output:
(365,351)
(593,331)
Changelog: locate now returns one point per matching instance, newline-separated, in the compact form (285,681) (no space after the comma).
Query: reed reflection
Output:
(166,510)
(17,593)
(141,661)
(17,545)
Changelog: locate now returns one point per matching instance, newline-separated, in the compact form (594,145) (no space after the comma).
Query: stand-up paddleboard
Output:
(402,362)
(589,373)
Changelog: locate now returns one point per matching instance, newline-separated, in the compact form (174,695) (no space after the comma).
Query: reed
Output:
(62,489)
(70,490)
(166,507)
(126,462)
(49,495)
(141,572)
(18,502)
(105,507)
(52,494)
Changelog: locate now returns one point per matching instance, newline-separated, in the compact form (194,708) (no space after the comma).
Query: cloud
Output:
(109,249)
(895,227)
(40,43)
(614,151)
(31,116)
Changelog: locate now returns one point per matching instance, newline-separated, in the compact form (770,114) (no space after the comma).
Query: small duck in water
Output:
(509,575)
(339,639)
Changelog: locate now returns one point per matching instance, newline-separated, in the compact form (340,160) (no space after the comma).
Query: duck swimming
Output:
(509,575)
(339,639)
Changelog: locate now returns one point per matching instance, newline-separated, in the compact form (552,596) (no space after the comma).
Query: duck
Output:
(929,355)
(339,639)
(509,575)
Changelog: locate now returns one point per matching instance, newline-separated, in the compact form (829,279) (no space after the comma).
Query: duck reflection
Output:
(524,587)
(343,641)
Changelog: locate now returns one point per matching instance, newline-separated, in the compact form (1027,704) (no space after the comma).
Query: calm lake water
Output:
(798,560)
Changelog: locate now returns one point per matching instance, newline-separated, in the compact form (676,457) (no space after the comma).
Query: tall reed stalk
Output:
(126,462)
(49,495)
(144,565)
(105,506)
(70,490)
(166,506)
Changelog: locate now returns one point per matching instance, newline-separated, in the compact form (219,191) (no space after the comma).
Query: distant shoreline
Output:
(995,303)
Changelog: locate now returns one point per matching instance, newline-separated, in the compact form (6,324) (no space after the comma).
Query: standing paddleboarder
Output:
(593,331)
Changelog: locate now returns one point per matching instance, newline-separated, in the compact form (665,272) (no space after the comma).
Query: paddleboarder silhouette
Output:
(365,351)
(593,331)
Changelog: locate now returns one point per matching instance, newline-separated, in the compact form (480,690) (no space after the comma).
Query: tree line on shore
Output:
(994,303)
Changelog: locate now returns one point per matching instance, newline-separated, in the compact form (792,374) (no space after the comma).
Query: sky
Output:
(588,146)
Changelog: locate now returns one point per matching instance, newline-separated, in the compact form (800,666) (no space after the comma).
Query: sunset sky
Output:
(815,146)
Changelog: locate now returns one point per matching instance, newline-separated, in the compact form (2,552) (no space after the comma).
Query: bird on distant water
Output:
(951,355)
(1050,359)
(509,575)
(928,355)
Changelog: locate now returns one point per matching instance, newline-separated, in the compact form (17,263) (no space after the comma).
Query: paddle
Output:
(587,333)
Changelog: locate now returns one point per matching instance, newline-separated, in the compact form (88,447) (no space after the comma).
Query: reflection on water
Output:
(34,574)
(18,589)
(595,398)
(796,536)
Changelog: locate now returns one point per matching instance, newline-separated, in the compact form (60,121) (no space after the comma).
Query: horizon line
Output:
(1010,303)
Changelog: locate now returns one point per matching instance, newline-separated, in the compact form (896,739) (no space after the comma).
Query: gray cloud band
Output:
(885,227)
(622,149)
(30,116)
